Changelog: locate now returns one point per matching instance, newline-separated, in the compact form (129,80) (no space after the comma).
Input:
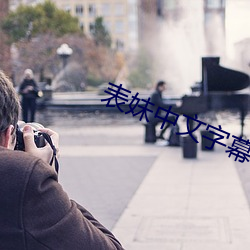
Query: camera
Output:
(38,137)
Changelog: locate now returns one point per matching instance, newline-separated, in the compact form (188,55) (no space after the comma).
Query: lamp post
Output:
(64,51)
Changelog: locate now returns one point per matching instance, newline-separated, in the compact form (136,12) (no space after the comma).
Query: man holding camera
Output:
(35,212)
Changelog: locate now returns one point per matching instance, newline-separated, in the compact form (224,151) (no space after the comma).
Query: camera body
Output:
(38,137)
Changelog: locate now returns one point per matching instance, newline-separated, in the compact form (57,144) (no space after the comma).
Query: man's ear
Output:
(7,140)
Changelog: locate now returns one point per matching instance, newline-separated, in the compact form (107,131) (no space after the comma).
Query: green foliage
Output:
(141,75)
(42,18)
(100,33)
(93,81)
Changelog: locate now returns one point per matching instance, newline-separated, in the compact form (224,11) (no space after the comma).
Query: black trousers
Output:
(29,109)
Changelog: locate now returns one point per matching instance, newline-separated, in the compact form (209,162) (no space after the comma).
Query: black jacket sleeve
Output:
(21,87)
(52,221)
(156,98)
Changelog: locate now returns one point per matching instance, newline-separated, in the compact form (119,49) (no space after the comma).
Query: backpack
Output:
(174,139)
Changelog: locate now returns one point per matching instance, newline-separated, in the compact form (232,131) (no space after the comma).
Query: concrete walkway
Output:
(187,204)
(180,204)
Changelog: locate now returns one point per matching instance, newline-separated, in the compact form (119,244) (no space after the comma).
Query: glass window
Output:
(214,4)
(132,26)
(105,9)
(79,10)
(132,10)
(119,44)
(67,8)
(107,25)
(92,10)
(82,26)
(91,27)
(169,4)
(119,26)
(119,9)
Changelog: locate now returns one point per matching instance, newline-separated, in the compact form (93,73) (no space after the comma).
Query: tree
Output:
(42,18)
(141,75)
(100,33)
(5,62)
(93,64)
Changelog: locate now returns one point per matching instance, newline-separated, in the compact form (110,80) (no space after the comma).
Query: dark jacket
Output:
(156,99)
(36,214)
(32,93)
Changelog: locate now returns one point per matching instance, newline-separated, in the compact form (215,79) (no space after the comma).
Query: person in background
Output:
(35,212)
(156,98)
(29,92)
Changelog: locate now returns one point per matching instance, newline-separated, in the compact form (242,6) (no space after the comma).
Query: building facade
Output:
(120,18)
(208,13)
(147,10)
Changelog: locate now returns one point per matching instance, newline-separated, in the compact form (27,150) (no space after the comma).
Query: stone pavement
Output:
(101,167)
(184,204)
(187,204)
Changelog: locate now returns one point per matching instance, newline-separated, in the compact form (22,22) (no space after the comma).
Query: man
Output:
(35,212)
(156,98)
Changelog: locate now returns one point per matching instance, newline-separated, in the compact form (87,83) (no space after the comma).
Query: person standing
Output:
(29,92)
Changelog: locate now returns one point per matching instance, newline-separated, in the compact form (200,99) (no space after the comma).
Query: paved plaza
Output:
(149,195)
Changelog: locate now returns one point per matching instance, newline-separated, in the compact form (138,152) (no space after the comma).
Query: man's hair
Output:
(159,84)
(9,104)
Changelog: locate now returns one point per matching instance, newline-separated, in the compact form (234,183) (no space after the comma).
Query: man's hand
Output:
(45,153)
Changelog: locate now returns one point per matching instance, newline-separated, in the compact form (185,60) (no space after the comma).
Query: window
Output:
(82,26)
(105,9)
(67,8)
(91,27)
(119,44)
(119,26)
(169,4)
(215,4)
(119,9)
(92,10)
(132,26)
(107,25)
(79,10)
(132,10)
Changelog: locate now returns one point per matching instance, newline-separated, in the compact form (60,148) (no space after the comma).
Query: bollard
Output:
(150,134)
(206,142)
(189,147)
